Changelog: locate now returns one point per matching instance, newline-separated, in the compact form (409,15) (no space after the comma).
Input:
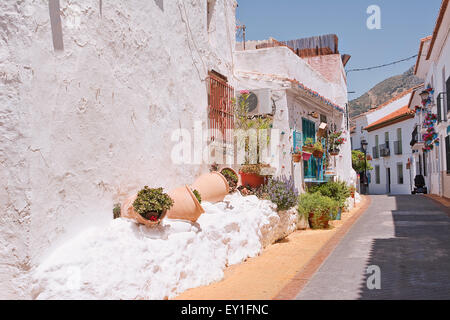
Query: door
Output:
(388,180)
(310,166)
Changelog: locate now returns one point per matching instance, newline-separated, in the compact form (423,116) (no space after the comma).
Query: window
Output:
(398,143)
(400,173)
(351,142)
(323,118)
(386,139)
(220,109)
(420,165)
(377,174)
(447,153)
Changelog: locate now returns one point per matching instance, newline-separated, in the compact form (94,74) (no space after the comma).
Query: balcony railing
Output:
(398,147)
(384,150)
(375,153)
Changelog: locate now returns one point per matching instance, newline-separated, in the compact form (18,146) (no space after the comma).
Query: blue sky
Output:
(403,24)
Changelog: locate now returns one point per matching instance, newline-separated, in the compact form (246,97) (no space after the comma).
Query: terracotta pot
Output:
(127,211)
(213,187)
(239,183)
(308,149)
(296,157)
(185,205)
(306,155)
(251,179)
(319,223)
(318,154)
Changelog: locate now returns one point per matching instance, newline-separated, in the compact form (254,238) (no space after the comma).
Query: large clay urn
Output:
(213,187)
(127,211)
(185,205)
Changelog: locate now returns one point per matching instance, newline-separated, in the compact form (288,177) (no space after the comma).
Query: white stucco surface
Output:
(83,128)
(125,261)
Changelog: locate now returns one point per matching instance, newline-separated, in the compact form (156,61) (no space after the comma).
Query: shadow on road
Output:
(416,263)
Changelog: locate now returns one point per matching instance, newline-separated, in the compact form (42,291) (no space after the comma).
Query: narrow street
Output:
(407,237)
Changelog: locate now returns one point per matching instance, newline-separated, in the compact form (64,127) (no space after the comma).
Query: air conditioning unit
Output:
(259,102)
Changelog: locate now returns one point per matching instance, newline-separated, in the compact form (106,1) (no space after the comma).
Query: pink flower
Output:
(244,92)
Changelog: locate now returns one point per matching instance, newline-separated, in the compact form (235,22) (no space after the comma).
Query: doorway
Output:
(388,180)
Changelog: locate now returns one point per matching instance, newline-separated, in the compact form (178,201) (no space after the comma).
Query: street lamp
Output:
(364,145)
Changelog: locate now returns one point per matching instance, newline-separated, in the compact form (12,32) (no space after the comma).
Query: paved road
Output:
(408,237)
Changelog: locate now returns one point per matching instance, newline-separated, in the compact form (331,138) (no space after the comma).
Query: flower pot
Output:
(251,179)
(238,184)
(185,205)
(319,222)
(334,152)
(296,157)
(213,187)
(308,149)
(306,155)
(127,211)
(318,154)
(338,215)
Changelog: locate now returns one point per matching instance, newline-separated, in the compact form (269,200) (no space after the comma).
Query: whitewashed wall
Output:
(83,128)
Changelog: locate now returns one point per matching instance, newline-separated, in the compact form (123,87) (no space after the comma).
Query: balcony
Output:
(384,150)
(417,142)
(398,147)
(375,153)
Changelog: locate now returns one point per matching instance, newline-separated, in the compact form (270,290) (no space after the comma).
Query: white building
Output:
(433,66)
(86,119)
(306,91)
(387,129)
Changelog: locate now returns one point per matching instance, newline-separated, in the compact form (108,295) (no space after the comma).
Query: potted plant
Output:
(212,186)
(335,140)
(317,209)
(318,150)
(148,207)
(339,192)
(232,178)
(308,146)
(297,155)
(186,204)
(251,175)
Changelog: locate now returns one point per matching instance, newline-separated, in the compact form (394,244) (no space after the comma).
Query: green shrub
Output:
(338,191)
(197,195)
(151,203)
(282,192)
(317,209)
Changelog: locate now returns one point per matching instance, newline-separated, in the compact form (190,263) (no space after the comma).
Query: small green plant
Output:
(116,211)
(197,195)
(152,203)
(317,209)
(231,177)
(282,192)
(309,142)
(318,146)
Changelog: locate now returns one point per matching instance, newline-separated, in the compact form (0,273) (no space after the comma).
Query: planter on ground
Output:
(185,206)
(252,179)
(318,221)
(232,178)
(213,187)
(128,211)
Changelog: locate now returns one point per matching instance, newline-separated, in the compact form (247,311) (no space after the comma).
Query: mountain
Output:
(383,92)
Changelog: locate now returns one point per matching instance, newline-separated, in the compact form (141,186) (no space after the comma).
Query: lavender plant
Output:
(282,192)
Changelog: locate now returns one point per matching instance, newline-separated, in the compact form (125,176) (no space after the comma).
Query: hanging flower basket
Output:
(334,152)
(318,154)
(309,149)
(306,155)
(297,157)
